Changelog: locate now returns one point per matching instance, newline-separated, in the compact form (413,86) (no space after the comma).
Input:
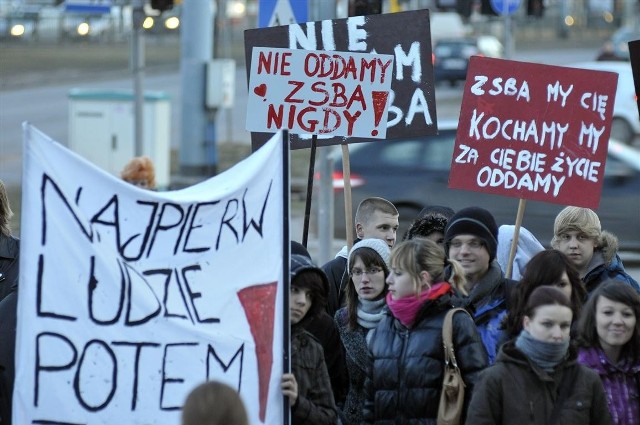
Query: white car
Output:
(626,118)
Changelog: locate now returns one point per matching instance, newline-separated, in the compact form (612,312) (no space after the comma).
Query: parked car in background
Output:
(626,118)
(616,48)
(451,55)
(414,173)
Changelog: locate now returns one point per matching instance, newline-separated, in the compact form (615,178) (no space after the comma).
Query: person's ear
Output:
(425,279)
(526,323)
(359,231)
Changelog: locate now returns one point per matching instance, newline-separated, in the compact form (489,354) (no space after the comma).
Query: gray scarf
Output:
(369,314)
(547,355)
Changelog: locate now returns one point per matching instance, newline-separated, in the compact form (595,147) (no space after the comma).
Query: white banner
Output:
(130,298)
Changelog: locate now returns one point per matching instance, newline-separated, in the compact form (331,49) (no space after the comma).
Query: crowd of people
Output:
(558,343)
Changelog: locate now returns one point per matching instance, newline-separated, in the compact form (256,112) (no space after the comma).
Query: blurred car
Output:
(166,23)
(451,55)
(626,117)
(19,23)
(616,48)
(414,173)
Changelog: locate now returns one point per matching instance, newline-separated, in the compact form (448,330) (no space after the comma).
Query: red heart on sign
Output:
(261,90)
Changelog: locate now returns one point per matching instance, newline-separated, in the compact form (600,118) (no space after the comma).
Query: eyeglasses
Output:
(357,273)
(472,244)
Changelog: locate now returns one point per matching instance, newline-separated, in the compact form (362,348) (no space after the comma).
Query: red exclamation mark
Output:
(379,99)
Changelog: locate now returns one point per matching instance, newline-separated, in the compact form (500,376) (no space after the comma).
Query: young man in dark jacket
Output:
(308,386)
(471,238)
(594,252)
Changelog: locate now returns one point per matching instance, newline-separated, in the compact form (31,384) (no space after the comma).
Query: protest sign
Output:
(130,298)
(534,131)
(316,92)
(405,35)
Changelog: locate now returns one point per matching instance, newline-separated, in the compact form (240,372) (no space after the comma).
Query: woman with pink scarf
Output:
(404,381)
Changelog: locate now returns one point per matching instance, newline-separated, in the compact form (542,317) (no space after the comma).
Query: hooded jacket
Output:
(515,391)
(528,246)
(606,265)
(404,380)
(319,324)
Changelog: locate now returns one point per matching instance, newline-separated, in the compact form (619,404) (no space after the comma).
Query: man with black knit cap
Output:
(471,238)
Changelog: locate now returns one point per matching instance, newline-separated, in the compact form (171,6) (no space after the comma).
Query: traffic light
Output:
(535,8)
(365,7)
(162,5)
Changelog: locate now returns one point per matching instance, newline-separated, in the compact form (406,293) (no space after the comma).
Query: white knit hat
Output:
(377,245)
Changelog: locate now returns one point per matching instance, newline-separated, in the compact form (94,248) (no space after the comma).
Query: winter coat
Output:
(357,360)
(516,391)
(338,275)
(604,268)
(621,384)
(8,308)
(9,262)
(489,301)
(315,403)
(324,329)
(404,380)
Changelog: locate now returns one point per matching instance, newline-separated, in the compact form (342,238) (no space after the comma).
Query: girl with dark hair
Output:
(609,336)
(308,386)
(536,378)
(547,268)
(365,301)
(404,382)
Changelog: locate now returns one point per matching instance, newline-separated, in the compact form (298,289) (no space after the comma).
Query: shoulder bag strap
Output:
(447,338)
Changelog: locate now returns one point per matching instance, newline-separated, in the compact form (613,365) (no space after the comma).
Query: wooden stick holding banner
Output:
(307,205)
(516,234)
(348,202)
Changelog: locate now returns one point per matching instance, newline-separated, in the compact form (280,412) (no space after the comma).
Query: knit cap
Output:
(474,221)
(378,245)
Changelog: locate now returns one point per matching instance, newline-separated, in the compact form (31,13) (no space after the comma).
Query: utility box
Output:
(101,129)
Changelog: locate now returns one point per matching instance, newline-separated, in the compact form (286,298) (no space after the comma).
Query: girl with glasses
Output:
(404,380)
(368,267)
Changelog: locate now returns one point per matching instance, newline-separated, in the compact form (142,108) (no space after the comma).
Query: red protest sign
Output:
(534,131)
(317,92)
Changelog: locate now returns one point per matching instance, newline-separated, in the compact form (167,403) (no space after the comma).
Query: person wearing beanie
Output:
(537,379)
(368,268)
(430,223)
(324,329)
(308,386)
(375,218)
(577,234)
(471,238)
